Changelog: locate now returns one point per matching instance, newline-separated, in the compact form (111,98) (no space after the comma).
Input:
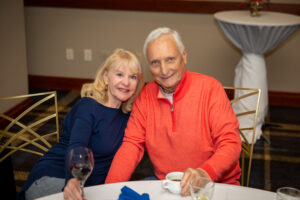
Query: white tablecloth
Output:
(153,188)
(255,36)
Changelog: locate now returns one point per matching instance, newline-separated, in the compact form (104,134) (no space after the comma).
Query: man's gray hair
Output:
(156,33)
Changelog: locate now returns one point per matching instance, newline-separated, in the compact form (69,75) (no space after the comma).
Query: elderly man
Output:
(184,121)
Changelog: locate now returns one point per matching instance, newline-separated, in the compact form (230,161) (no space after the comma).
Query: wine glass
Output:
(201,188)
(81,164)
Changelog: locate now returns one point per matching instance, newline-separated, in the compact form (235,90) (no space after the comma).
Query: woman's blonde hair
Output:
(118,58)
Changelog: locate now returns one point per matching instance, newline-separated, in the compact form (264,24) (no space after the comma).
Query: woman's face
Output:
(122,84)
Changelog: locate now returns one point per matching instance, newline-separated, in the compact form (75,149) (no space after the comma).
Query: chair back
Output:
(27,126)
(245,103)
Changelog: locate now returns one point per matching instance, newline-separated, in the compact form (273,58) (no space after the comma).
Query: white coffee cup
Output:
(287,193)
(172,182)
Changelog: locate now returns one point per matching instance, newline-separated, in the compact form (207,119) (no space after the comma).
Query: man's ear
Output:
(184,55)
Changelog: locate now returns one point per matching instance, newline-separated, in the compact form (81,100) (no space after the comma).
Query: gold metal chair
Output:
(245,103)
(24,128)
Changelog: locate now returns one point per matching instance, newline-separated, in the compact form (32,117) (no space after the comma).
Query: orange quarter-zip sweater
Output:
(200,131)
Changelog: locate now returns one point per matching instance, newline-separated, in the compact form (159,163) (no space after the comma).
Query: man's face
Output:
(166,62)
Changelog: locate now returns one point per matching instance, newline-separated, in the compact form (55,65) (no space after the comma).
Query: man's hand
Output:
(72,190)
(188,175)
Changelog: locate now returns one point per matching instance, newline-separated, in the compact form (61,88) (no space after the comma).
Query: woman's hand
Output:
(188,175)
(72,190)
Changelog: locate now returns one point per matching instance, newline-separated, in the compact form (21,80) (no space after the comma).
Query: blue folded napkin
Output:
(129,194)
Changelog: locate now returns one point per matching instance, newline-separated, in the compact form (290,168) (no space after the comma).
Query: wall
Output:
(13,67)
(51,30)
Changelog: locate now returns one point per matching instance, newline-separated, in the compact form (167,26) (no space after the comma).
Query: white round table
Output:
(255,36)
(155,191)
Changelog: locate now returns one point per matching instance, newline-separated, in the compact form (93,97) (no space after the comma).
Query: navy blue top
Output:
(90,124)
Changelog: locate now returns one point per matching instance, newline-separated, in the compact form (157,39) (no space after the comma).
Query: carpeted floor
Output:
(277,164)
(274,165)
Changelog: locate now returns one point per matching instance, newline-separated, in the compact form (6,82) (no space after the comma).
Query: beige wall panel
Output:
(13,68)
(51,30)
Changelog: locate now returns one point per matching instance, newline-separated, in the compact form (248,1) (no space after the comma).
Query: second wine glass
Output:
(201,188)
(81,164)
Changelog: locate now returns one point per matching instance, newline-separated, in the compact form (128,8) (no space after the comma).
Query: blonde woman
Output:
(97,121)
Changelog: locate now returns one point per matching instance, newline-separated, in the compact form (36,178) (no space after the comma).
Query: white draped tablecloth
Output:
(155,191)
(255,36)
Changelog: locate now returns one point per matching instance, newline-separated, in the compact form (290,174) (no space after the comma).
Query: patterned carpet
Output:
(277,164)
(274,165)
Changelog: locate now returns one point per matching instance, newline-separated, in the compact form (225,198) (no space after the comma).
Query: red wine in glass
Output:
(81,164)
(81,171)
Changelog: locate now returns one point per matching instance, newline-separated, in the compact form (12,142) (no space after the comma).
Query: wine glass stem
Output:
(81,189)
